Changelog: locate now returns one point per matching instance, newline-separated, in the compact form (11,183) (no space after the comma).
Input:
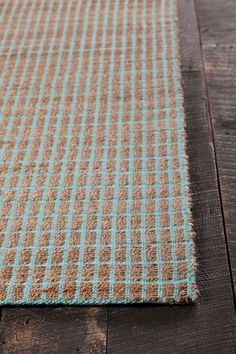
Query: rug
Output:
(95,203)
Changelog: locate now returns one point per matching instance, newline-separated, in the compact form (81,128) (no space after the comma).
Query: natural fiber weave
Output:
(94,202)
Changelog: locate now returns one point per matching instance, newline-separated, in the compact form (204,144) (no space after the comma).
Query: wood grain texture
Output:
(209,326)
(219,52)
(217,21)
(220,64)
(37,330)
(191,57)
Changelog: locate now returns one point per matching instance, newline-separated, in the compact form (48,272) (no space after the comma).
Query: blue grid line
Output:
(103,172)
(95,200)
(169,156)
(186,210)
(82,263)
(101,184)
(109,145)
(117,165)
(84,172)
(64,264)
(95,214)
(180,137)
(85,50)
(34,181)
(128,252)
(110,172)
(180,140)
(113,112)
(86,302)
(68,93)
(105,229)
(105,245)
(126,70)
(61,105)
(151,158)
(143,282)
(155,79)
(173,250)
(144,157)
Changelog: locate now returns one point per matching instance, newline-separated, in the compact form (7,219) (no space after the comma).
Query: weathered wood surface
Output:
(206,327)
(219,53)
(39,330)
(217,21)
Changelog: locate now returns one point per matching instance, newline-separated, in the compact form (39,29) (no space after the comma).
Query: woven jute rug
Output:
(95,204)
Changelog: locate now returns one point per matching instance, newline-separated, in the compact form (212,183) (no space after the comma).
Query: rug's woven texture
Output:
(94,183)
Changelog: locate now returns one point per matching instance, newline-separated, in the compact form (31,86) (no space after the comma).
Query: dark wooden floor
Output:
(208,56)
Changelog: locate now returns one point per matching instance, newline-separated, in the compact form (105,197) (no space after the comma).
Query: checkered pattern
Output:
(94,185)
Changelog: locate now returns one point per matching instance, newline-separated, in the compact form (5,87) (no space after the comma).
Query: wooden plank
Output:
(53,330)
(208,326)
(220,67)
(189,36)
(217,21)
(219,54)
